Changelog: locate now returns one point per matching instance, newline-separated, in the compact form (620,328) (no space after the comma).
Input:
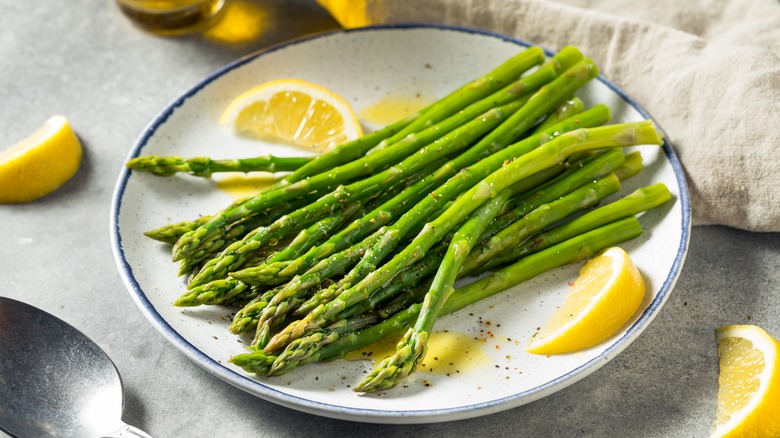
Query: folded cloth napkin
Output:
(708,71)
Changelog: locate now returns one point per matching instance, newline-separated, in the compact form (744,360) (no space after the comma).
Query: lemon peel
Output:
(41,163)
(749,393)
(607,293)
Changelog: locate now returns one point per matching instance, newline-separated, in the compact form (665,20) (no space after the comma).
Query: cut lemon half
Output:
(749,394)
(608,291)
(39,164)
(294,112)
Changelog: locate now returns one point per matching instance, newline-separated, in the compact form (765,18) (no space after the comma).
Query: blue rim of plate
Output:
(257,388)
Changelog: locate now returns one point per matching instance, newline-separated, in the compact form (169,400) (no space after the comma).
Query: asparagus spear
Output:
(212,293)
(567,109)
(565,58)
(205,166)
(631,166)
(569,251)
(171,233)
(581,140)
(356,167)
(246,318)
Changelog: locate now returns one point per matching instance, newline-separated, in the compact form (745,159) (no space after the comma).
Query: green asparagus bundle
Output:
(278,271)
(502,177)
(300,350)
(456,132)
(542,102)
(234,255)
(554,190)
(563,253)
(387,238)
(347,161)
(546,155)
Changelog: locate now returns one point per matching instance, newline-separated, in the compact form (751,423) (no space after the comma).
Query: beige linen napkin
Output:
(708,71)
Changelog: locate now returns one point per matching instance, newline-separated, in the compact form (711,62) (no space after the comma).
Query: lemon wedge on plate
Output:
(749,394)
(607,293)
(294,112)
(39,164)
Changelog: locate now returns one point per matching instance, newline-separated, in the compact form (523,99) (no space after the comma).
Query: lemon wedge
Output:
(294,112)
(39,164)
(608,291)
(749,394)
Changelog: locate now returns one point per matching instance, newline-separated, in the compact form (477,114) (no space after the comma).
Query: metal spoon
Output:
(54,381)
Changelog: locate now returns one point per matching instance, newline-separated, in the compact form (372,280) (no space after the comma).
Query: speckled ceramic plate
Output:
(367,66)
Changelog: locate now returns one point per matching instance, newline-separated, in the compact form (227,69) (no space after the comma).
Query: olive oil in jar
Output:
(171,17)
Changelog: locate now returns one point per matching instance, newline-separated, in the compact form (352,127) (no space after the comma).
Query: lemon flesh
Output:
(607,293)
(749,383)
(294,112)
(41,163)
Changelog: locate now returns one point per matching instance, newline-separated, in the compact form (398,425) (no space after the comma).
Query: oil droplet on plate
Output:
(239,186)
(392,108)
(449,353)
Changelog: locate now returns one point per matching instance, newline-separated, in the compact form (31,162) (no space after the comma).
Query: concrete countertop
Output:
(83,59)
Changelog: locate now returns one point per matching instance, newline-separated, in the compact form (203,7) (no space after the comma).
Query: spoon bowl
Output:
(54,380)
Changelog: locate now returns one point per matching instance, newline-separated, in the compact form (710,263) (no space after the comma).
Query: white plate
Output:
(365,66)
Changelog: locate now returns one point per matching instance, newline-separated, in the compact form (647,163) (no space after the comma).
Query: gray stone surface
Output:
(83,59)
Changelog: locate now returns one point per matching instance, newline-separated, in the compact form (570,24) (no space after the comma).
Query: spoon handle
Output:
(127,431)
